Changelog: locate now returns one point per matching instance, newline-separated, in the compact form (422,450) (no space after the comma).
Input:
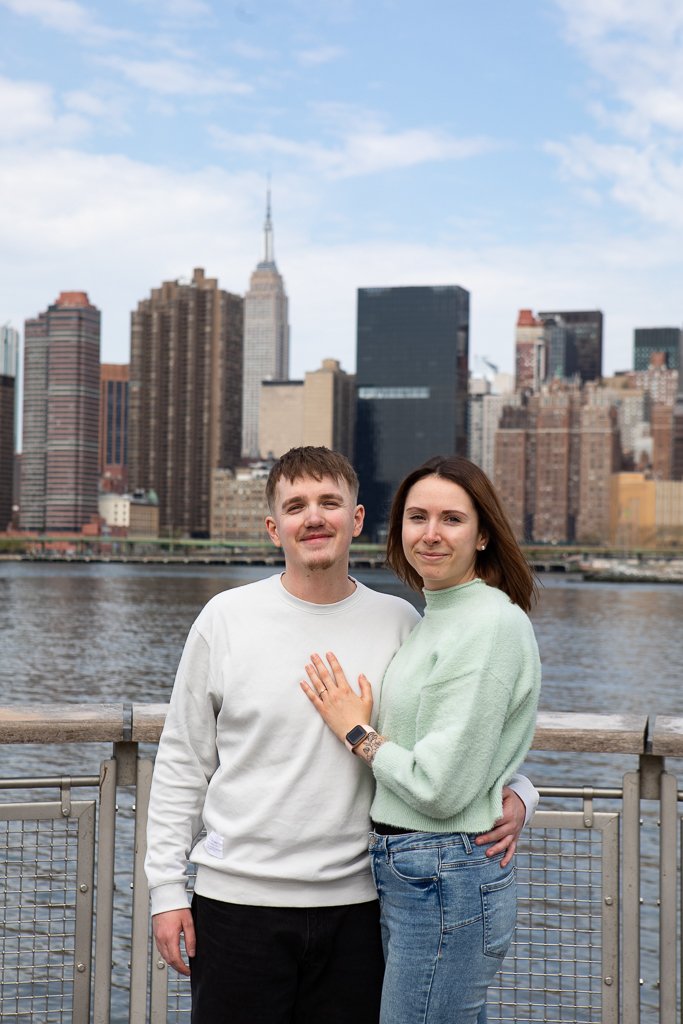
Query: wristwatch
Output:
(357,735)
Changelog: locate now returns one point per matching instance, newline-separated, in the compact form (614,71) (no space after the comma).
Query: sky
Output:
(531,152)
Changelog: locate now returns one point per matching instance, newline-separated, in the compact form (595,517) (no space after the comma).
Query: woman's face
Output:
(441,533)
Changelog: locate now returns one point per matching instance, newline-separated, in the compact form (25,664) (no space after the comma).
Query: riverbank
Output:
(635,570)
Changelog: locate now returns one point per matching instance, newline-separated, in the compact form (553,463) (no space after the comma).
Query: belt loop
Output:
(466,842)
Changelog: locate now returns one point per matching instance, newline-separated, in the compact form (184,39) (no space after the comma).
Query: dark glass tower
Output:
(574,343)
(411,376)
(648,340)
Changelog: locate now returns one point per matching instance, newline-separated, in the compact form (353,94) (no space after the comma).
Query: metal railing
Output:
(73,881)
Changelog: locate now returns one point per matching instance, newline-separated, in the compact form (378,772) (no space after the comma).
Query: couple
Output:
(285,923)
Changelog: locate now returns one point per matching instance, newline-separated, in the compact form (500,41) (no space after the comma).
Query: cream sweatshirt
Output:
(245,756)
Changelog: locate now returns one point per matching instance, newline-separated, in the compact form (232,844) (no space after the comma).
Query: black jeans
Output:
(286,965)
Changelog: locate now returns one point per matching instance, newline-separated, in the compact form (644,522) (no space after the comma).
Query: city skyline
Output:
(540,168)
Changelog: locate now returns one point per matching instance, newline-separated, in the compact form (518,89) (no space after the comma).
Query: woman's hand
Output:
(332,697)
(507,829)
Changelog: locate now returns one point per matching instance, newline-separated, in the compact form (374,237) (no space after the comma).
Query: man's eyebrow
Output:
(299,498)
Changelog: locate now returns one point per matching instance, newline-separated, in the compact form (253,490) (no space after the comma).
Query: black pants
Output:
(273,965)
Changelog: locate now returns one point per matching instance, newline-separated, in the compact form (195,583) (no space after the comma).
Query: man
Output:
(284,921)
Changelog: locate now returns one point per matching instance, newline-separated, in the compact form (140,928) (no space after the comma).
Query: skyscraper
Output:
(574,343)
(9,351)
(648,340)
(266,338)
(113,467)
(185,397)
(677,434)
(7,405)
(61,406)
(320,410)
(530,352)
(412,353)
(9,366)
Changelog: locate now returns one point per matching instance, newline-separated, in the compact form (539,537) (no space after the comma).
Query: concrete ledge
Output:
(97,723)
(61,723)
(667,736)
(148,721)
(586,733)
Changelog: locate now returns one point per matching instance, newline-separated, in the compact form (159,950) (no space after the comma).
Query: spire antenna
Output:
(268,230)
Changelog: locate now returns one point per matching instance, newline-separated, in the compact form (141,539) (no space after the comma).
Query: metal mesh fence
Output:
(561,969)
(179,1002)
(38,868)
(554,969)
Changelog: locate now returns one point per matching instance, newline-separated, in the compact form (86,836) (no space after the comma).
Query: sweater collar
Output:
(446,598)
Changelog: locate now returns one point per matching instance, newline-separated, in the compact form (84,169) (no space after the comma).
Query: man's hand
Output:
(168,928)
(507,829)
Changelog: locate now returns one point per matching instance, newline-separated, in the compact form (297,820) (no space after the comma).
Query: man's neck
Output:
(322,587)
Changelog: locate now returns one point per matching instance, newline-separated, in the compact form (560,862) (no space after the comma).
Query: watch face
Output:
(357,734)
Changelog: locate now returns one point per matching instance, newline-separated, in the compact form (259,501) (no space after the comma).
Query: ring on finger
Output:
(321,692)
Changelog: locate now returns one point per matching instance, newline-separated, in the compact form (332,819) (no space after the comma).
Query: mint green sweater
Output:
(458,707)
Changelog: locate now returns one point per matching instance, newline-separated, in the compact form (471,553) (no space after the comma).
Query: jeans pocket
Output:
(499,907)
(417,866)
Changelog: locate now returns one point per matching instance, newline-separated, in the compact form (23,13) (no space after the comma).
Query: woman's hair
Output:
(501,564)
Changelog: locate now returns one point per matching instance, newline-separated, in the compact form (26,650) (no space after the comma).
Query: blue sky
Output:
(530,152)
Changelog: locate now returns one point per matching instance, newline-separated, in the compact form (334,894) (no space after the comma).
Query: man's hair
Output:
(310,461)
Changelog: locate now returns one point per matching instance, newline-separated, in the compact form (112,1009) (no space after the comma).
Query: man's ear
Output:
(358,518)
(271,527)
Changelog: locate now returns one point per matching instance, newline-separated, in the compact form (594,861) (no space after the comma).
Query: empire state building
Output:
(266,338)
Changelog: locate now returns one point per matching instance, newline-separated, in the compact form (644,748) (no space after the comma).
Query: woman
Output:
(456,718)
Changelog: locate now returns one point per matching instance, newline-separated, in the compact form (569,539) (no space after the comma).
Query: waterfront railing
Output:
(76,943)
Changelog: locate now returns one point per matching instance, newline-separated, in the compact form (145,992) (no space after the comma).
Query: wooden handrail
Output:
(142,723)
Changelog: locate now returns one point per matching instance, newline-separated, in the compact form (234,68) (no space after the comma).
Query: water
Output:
(114,633)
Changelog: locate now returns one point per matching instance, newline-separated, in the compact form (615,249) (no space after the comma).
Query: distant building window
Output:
(393,392)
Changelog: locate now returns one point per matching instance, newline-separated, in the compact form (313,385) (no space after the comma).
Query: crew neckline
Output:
(311,606)
(434,595)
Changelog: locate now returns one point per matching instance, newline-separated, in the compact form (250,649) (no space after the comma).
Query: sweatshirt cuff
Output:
(527,793)
(169,896)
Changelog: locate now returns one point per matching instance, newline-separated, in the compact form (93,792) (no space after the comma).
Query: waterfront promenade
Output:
(74,885)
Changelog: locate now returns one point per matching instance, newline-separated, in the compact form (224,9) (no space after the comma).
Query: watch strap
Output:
(368,729)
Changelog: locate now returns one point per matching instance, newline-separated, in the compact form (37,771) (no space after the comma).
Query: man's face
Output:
(314,521)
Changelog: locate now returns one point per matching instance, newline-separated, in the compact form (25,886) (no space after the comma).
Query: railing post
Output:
(630,994)
(668,813)
(140,947)
(105,893)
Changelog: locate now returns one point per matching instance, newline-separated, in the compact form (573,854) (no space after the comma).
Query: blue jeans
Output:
(447,916)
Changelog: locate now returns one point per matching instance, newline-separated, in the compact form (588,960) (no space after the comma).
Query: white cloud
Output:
(248,51)
(361,152)
(66,16)
(319,55)
(635,158)
(117,227)
(645,180)
(108,111)
(637,50)
(28,112)
(186,8)
(173,78)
